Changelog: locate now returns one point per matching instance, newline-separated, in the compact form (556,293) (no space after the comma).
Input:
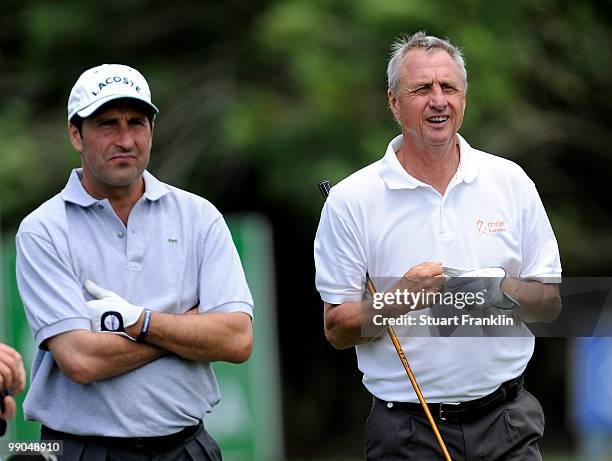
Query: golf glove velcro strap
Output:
(109,312)
(487,283)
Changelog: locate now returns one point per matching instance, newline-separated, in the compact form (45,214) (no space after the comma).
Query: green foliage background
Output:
(285,93)
(261,99)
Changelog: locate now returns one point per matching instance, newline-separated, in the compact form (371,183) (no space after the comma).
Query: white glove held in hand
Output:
(487,282)
(109,312)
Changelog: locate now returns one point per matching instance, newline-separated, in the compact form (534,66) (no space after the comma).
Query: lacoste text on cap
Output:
(102,84)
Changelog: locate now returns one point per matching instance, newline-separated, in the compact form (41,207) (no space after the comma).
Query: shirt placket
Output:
(115,228)
(135,247)
(446,231)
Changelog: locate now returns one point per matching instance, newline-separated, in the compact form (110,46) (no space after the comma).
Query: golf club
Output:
(325,187)
(2,409)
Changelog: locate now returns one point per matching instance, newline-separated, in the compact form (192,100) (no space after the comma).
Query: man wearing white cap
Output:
(124,371)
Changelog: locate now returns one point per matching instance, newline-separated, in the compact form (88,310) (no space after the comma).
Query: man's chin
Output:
(124,180)
(433,138)
(440,141)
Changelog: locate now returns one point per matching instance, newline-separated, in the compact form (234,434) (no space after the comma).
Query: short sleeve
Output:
(50,292)
(540,252)
(223,286)
(339,258)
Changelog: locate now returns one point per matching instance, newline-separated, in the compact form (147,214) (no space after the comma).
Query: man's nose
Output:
(125,137)
(437,99)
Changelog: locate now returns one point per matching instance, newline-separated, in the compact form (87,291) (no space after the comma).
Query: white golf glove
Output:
(487,283)
(109,312)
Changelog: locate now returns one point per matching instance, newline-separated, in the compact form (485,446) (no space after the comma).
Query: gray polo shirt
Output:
(176,252)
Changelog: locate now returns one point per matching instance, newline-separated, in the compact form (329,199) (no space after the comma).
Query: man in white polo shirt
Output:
(434,202)
(131,287)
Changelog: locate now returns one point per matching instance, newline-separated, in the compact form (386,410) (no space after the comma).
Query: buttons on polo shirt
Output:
(389,404)
(100,207)
(134,266)
(120,234)
(446,236)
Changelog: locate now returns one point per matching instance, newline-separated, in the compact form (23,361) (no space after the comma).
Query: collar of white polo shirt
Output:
(396,177)
(74,191)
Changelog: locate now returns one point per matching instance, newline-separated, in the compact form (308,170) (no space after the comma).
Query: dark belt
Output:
(149,444)
(462,412)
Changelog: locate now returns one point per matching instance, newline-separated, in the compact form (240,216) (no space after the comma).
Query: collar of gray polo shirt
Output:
(74,192)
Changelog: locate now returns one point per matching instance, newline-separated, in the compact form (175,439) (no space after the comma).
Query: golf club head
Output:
(324,187)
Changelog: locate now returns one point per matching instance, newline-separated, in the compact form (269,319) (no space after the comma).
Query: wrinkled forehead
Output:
(419,64)
(128,105)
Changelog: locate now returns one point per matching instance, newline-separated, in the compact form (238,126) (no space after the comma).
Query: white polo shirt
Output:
(175,252)
(383,221)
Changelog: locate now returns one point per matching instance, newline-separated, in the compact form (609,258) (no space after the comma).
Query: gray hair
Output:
(430,43)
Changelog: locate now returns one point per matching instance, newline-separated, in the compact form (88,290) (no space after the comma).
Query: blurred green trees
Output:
(277,95)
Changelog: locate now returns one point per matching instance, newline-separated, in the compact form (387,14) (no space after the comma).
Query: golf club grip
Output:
(3,423)
(3,394)
(324,187)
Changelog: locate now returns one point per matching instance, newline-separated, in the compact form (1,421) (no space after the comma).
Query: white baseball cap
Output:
(102,84)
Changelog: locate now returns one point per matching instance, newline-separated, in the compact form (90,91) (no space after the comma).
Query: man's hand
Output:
(12,379)
(350,323)
(8,407)
(419,283)
(486,283)
(109,312)
(426,277)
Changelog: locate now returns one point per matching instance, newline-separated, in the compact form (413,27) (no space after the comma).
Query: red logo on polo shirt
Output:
(490,227)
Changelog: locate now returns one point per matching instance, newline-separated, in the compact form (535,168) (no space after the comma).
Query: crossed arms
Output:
(85,356)
(58,313)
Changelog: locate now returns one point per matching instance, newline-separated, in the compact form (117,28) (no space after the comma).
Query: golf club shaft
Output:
(325,187)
